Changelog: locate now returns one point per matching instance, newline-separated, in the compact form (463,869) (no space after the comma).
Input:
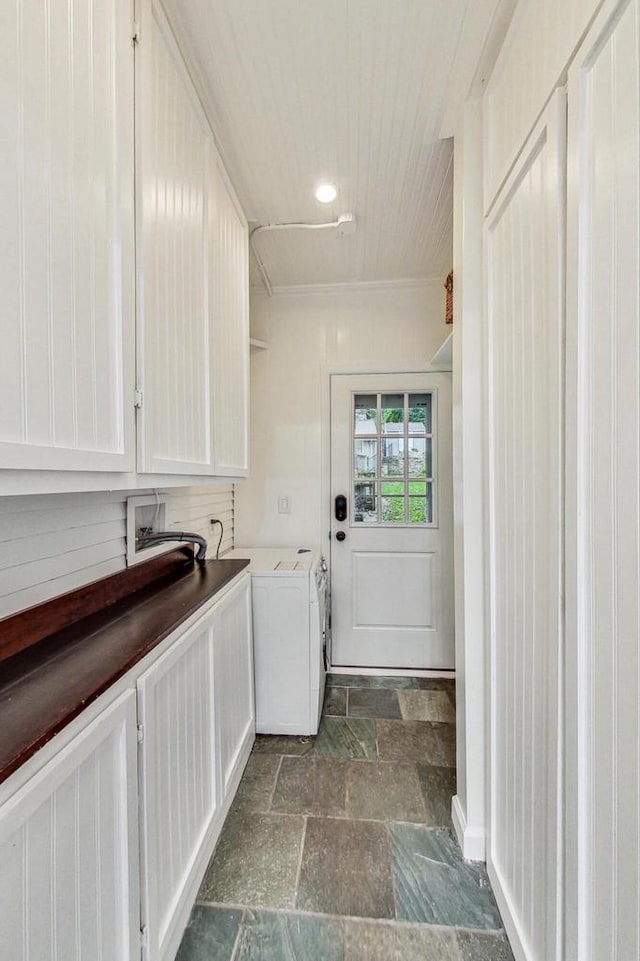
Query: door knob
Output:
(340,536)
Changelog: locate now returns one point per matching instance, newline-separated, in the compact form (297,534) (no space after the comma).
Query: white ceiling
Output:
(351,91)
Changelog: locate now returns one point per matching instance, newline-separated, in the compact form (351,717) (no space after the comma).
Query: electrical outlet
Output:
(284,504)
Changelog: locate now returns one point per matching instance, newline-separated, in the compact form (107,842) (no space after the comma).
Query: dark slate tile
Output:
(385,792)
(283,744)
(346,869)
(426,742)
(483,947)
(335,701)
(256,861)
(360,680)
(375,702)
(352,737)
(311,785)
(434,885)
(210,934)
(289,937)
(257,784)
(426,706)
(438,787)
(371,941)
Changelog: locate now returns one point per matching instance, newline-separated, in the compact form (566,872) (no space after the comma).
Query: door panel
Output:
(603,491)
(524,263)
(392,574)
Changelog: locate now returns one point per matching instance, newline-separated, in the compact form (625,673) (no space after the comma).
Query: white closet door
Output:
(229,314)
(603,492)
(69,850)
(524,263)
(66,234)
(174,155)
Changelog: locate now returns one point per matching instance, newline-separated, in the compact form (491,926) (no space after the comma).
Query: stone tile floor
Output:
(340,847)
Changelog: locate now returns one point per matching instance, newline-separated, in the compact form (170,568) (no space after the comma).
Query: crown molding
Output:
(353,286)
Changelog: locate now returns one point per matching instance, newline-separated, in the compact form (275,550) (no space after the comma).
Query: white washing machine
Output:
(291,637)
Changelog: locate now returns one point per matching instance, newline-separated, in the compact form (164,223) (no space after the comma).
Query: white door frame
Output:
(325,486)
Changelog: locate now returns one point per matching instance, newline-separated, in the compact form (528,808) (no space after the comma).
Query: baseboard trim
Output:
(392,672)
(471,840)
(521,950)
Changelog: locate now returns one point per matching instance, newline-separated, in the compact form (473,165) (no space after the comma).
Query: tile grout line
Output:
(497,933)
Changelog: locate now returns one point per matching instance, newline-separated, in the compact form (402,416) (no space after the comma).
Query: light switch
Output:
(284,504)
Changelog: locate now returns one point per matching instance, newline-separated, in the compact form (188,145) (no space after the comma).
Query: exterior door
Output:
(392,553)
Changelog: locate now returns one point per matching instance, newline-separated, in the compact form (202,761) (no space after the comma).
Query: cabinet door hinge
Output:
(135,33)
(137,398)
(140,733)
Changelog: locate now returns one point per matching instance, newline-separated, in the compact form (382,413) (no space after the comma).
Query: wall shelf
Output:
(444,354)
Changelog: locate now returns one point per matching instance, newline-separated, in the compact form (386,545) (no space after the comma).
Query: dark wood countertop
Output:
(45,686)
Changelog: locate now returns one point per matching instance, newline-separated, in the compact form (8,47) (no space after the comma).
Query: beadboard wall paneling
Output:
(603,487)
(540,43)
(67,229)
(53,544)
(524,264)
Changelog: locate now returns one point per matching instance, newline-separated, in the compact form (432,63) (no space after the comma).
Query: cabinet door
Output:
(177,781)
(66,233)
(233,673)
(69,850)
(229,318)
(173,157)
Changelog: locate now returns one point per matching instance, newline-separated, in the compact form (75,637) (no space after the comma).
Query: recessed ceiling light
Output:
(326,193)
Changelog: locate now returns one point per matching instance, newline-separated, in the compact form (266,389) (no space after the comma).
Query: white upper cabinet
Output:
(229,317)
(193,328)
(174,154)
(66,232)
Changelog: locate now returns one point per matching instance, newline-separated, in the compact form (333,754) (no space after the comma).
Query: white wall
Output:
(55,543)
(307,332)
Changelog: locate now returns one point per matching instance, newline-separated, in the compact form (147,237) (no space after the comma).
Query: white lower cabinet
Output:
(75,883)
(69,849)
(233,675)
(178,790)
(196,711)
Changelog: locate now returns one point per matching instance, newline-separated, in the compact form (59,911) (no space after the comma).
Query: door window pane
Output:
(419,413)
(365,510)
(419,457)
(417,510)
(392,414)
(393,453)
(365,415)
(365,457)
(392,457)
(393,510)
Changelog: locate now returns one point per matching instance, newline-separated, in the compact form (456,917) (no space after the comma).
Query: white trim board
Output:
(472,840)
(353,286)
